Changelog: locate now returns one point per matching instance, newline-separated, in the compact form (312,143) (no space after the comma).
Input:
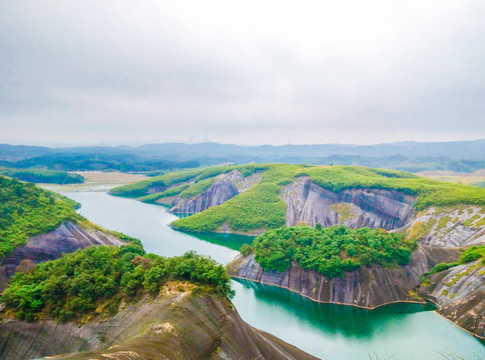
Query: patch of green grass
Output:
(152,198)
(479,223)
(443,222)
(469,222)
(140,188)
(197,188)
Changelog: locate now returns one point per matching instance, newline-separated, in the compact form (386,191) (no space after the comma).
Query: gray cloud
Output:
(243,72)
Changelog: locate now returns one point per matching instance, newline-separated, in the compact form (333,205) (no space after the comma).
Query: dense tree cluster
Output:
(100,277)
(330,251)
(26,210)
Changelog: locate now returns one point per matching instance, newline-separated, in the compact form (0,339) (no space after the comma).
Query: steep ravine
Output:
(68,237)
(181,323)
(368,287)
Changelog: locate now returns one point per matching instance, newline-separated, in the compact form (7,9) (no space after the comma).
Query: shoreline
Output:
(481,338)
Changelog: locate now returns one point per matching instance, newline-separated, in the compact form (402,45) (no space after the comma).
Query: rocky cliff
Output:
(68,237)
(460,293)
(225,187)
(182,323)
(354,208)
(451,226)
(368,287)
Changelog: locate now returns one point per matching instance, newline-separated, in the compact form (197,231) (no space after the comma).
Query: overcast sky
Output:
(245,72)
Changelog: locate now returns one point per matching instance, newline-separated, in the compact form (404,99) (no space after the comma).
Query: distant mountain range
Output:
(412,156)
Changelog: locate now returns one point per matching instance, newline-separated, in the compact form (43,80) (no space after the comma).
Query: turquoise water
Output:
(394,332)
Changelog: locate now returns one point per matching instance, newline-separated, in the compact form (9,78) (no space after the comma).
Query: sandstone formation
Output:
(68,237)
(367,287)
(175,325)
(224,188)
(460,293)
(354,208)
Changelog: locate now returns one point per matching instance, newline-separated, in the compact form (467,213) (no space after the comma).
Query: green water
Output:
(394,332)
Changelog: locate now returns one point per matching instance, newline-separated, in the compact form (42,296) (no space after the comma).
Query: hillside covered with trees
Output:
(27,210)
(78,283)
(261,206)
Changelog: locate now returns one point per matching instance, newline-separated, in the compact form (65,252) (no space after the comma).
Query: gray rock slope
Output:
(68,237)
(367,287)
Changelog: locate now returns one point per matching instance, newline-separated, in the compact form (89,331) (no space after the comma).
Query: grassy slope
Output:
(140,189)
(262,207)
(26,210)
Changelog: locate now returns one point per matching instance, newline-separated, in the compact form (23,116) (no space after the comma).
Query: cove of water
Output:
(394,332)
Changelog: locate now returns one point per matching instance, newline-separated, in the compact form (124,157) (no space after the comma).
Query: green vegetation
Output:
(259,207)
(98,278)
(140,188)
(480,184)
(197,188)
(330,251)
(43,176)
(165,181)
(152,198)
(470,254)
(262,207)
(26,210)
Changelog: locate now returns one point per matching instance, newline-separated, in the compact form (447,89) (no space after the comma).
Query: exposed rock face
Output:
(224,188)
(453,226)
(367,287)
(173,326)
(374,208)
(460,291)
(68,237)
(219,192)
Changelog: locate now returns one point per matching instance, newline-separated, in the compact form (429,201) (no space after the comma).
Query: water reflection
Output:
(231,241)
(331,318)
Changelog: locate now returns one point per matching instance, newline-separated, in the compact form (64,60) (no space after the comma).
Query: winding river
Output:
(330,332)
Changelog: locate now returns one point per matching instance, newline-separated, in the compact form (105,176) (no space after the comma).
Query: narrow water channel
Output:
(330,332)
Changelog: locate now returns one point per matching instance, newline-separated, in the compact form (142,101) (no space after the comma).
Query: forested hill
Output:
(265,196)
(43,176)
(459,156)
(26,210)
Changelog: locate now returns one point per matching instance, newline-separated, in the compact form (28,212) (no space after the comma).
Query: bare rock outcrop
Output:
(172,326)
(67,238)
(451,226)
(460,293)
(367,287)
(375,208)
(225,187)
